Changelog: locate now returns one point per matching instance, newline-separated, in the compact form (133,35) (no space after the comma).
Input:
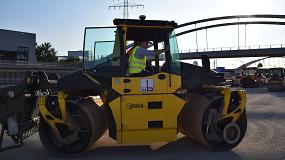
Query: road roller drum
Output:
(201,120)
(83,125)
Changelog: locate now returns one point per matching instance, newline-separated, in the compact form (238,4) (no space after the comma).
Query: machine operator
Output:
(138,58)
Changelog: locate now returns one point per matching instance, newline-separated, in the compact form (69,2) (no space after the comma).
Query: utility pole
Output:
(126,5)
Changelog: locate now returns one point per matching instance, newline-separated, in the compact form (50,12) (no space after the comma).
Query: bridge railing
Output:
(233,48)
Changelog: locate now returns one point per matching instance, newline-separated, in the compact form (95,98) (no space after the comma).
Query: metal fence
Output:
(13,74)
(42,64)
(11,78)
(232,48)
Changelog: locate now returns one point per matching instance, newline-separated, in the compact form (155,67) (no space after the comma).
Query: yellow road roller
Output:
(276,81)
(174,97)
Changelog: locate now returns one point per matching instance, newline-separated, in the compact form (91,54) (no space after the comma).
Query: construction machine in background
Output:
(176,97)
(249,77)
(276,80)
(19,113)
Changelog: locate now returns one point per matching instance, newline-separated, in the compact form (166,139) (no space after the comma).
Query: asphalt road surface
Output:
(265,139)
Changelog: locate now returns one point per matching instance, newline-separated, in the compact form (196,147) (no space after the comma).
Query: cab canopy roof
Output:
(146,30)
(142,23)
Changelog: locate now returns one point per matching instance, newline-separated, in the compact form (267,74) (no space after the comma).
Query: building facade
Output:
(76,54)
(17,46)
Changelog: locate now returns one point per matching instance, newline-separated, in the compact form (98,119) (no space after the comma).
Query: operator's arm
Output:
(141,52)
(150,54)
(159,51)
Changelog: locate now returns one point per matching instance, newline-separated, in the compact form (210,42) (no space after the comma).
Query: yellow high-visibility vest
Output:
(136,65)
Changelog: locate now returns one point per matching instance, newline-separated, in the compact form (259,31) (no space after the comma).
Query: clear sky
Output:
(62,22)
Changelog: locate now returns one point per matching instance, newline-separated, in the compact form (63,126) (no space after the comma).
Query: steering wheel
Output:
(149,67)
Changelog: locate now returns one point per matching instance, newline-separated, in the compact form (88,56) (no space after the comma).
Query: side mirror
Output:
(205,62)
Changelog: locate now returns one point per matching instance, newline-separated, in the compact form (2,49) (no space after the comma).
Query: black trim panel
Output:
(155,105)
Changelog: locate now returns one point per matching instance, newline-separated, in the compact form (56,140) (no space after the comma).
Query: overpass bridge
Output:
(266,19)
(235,52)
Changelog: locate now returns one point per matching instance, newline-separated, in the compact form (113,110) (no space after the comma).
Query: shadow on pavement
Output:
(278,94)
(32,149)
(181,149)
(256,90)
(265,115)
(263,90)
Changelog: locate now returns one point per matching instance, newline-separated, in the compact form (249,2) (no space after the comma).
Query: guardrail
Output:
(14,73)
(236,48)
(4,63)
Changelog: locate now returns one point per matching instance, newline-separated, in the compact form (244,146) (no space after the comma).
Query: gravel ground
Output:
(265,139)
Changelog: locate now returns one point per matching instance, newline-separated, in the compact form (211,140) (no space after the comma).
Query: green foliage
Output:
(45,53)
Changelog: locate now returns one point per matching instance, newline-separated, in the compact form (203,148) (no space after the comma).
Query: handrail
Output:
(250,47)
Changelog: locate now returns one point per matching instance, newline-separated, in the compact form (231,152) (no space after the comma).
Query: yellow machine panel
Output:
(174,83)
(148,85)
(227,94)
(147,108)
(45,113)
(155,84)
(118,84)
(150,116)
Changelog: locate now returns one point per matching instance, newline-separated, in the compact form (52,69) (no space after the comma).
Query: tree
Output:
(45,53)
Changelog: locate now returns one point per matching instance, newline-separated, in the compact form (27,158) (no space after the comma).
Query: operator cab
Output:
(106,48)
(276,73)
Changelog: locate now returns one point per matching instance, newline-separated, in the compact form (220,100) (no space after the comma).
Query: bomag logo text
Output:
(133,106)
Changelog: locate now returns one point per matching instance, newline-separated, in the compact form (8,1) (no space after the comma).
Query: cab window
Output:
(152,67)
(174,52)
(101,47)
